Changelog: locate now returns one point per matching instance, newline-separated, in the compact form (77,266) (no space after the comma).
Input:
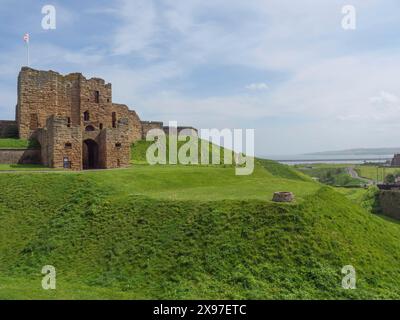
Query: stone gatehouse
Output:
(75,120)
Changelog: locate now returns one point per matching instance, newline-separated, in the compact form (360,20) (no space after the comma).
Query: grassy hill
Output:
(189,232)
(139,148)
(14,143)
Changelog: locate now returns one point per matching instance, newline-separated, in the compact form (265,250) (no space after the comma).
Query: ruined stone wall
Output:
(115,146)
(179,129)
(62,111)
(149,125)
(8,129)
(45,93)
(20,156)
(43,139)
(61,141)
(73,87)
(389,202)
(103,113)
(95,96)
(135,127)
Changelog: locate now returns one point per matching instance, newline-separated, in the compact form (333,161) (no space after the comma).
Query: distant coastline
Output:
(358,152)
(330,158)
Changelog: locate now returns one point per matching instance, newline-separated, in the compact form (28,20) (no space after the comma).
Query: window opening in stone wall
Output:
(68,122)
(114,120)
(118,145)
(96,96)
(89,128)
(68,145)
(86,116)
(101,126)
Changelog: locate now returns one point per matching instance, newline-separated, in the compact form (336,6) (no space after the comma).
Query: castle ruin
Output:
(75,121)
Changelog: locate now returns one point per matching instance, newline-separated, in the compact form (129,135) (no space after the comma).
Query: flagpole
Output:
(27,51)
(27,40)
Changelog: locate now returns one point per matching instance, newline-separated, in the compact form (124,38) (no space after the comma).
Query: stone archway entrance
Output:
(90,154)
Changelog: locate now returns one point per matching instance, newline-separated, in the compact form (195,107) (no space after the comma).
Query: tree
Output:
(390,178)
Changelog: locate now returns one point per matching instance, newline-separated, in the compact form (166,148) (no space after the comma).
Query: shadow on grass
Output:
(22,167)
(27,166)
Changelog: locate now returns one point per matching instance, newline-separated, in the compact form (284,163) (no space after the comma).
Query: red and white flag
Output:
(26,37)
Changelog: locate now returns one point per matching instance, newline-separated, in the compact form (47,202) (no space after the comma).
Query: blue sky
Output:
(282,67)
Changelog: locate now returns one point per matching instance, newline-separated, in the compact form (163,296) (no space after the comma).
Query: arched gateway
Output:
(90,154)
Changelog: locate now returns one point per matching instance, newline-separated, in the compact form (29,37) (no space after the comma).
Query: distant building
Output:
(395,161)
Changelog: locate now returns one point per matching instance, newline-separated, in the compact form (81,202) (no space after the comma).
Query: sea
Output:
(332,159)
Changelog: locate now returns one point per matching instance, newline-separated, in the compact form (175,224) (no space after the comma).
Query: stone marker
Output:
(283,197)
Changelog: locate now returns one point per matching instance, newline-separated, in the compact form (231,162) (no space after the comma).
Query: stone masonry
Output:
(8,129)
(75,120)
(283,196)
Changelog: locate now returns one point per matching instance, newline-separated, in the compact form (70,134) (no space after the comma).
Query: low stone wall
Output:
(20,156)
(8,129)
(389,201)
(179,129)
(149,125)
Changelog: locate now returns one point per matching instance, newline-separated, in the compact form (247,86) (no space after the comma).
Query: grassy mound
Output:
(139,148)
(189,232)
(11,143)
(282,171)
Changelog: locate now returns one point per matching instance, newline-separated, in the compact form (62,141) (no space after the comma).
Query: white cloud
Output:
(257,86)
(138,27)
(385,98)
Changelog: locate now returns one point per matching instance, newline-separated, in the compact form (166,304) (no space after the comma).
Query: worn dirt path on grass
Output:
(354,174)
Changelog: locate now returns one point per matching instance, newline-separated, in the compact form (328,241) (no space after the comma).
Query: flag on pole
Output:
(26,39)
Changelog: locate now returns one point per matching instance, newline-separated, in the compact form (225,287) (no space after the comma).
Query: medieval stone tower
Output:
(75,120)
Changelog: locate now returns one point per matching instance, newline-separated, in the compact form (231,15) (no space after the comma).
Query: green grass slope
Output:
(23,167)
(13,143)
(139,148)
(189,232)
